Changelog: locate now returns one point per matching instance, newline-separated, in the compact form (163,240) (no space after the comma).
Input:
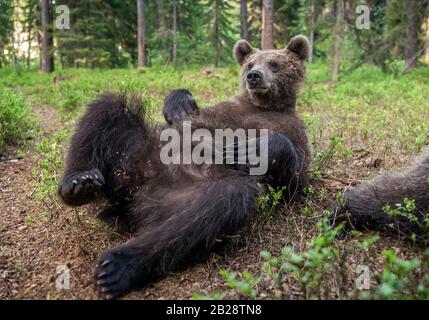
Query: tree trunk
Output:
(29,40)
(244,23)
(267,25)
(13,46)
(339,32)
(141,28)
(412,41)
(46,54)
(174,31)
(160,14)
(216,34)
(312,27)
(427,42)
(39,45)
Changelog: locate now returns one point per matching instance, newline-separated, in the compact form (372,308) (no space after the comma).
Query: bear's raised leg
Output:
(103,149)
(189,232)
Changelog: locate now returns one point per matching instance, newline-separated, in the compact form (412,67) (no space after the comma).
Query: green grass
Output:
(370,110)
(77,87)
(367,109)
(367,122)
(48,173)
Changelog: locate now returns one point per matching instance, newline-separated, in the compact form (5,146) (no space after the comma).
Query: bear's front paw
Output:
(79,189)
(178,105)
(117,272)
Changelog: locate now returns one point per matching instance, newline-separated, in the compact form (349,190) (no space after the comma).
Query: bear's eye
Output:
(250,65)
(274,65)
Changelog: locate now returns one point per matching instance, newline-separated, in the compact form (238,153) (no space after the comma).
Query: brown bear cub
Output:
(364,206)
(179,212)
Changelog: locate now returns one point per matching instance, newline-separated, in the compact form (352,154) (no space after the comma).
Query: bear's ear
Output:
(242,50)
(300,46)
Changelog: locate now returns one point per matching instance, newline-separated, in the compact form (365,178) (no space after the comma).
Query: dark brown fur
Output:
(363,207)
(178,213)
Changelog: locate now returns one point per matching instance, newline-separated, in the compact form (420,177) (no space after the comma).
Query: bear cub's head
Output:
(272,78)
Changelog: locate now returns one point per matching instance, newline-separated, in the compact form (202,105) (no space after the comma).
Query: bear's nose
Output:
(254,77)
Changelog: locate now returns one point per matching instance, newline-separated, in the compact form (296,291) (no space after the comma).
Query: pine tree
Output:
(6,30)
(220,28)
(103,33)
(414,47)
(312,27)
(427,42)
(194,42)
(255,21)
(141,33)
(290,17)
(175,18)
(243,20)
(338,39)
(403,30)
(46,53)
(29,21)
(267,25)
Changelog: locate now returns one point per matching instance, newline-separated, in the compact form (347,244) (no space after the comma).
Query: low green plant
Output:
(48,171)
(366,243)
(15,123)
(323,158)
(311,266)
(244,285)
(214,296)
(269,202)
(29,219)
(397,281)
(407,211)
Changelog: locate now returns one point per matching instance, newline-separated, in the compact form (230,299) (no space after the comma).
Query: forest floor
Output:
(38,234)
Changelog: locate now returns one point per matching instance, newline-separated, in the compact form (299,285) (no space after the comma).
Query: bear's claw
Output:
(116,273)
